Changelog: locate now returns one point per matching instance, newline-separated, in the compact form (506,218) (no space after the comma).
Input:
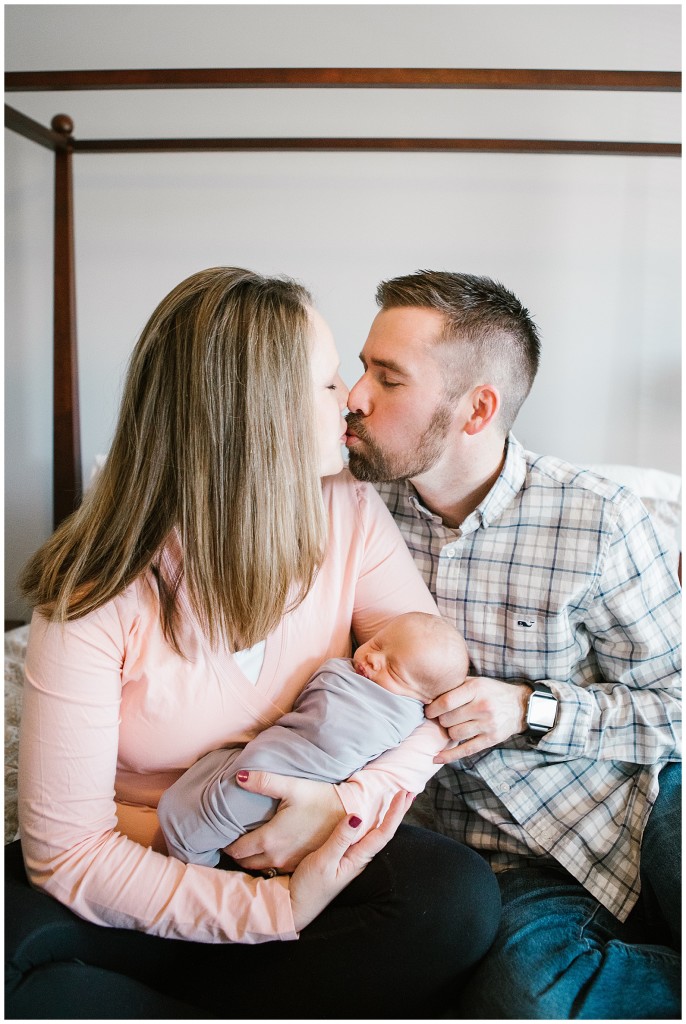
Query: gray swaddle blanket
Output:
(339,722)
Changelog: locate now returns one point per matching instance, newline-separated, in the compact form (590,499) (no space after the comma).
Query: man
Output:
(564,772)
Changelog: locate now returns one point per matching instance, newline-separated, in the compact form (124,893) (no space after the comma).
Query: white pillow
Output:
(660,492)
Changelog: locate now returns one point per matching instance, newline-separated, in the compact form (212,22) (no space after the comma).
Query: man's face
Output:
(399,414)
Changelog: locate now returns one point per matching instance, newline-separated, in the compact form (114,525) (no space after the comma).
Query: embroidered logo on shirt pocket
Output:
(524,622)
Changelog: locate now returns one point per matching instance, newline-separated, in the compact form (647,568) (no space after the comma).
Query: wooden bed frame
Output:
(59,138)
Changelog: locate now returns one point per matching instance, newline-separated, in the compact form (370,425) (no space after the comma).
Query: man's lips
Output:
(351,436)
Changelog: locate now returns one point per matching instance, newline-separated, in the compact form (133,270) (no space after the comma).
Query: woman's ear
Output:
(485,403)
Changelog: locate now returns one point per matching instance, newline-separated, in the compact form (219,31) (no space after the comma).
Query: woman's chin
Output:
(330,471)
(332,466)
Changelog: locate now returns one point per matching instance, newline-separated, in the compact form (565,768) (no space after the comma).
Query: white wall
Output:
(590,243)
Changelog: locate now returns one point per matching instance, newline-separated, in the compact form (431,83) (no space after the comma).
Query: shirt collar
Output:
(508,484)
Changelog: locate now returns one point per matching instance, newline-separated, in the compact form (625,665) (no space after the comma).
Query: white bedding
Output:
(15,648)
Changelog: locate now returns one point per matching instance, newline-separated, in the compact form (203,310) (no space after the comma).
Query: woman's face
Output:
(330,396)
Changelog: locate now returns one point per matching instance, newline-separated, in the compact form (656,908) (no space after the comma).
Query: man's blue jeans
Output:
(560,955)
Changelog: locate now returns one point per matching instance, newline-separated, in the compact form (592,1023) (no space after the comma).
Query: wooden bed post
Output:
(67,485)
(67,437)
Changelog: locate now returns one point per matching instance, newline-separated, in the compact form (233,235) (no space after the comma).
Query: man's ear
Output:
(485,403)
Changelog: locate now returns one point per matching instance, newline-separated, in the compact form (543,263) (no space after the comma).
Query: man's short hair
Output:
(489,336)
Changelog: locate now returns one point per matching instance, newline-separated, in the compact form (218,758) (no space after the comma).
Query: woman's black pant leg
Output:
(53,962)
(395,944)
(49,993)
(409,930)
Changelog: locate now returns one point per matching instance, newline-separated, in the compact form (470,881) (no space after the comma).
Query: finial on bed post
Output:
(63,125)
(66,440)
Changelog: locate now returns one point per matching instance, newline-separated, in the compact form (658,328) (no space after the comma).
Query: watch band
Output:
(541,712)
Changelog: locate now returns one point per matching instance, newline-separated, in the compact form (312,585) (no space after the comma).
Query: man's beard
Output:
(374,465)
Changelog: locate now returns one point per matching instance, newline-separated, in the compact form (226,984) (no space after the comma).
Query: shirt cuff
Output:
(283,908)
(569,736)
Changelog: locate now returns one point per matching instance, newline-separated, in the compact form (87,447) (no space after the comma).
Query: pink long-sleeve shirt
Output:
(113,716)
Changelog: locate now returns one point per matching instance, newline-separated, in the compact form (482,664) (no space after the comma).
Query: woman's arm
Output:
(70,841)
(72,847)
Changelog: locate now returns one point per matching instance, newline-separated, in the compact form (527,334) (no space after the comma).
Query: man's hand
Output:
(479,714)
(306,817)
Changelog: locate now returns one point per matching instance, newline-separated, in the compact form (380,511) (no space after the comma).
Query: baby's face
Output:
(385,659)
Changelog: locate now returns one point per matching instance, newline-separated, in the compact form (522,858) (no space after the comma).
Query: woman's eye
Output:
(332,387)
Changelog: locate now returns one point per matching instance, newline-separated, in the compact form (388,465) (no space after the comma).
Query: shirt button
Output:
(450,552)
(504,787)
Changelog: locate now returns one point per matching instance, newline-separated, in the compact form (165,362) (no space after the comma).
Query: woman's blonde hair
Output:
(216,439)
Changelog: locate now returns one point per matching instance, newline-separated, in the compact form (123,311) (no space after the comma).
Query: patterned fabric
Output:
(15,651)
(558,577)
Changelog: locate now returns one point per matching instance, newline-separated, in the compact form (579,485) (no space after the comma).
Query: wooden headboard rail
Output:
(59,137)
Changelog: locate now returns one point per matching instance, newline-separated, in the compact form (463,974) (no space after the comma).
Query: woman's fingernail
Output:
(242,776)
(354,822)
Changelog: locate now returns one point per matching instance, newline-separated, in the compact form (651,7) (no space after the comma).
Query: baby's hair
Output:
(448,653)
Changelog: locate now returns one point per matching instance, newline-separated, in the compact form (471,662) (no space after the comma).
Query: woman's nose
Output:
(342,392)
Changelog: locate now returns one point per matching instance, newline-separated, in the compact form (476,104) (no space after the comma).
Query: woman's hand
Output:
(306,817)
(320,877)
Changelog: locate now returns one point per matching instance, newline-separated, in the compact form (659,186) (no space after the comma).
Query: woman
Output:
(218,560)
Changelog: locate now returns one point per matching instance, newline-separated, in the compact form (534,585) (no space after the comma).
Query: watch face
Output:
(542,711)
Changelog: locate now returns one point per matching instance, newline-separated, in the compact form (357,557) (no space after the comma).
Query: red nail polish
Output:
(354,821)
(242,776)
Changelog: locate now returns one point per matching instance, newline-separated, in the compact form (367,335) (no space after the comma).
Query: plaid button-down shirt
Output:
(558,577)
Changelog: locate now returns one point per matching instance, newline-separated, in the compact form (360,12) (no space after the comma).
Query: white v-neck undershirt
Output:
(250,661)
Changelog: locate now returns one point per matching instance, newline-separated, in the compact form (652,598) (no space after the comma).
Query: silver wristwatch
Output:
(541,712)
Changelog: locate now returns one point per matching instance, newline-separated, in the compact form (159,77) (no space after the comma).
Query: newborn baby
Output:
(349,712)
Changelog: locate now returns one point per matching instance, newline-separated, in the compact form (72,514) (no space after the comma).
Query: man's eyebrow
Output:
(385,364)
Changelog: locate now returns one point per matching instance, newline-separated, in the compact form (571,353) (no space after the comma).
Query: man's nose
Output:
(358,397)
